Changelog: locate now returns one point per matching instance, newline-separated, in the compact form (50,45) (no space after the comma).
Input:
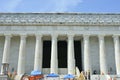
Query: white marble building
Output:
(26,37)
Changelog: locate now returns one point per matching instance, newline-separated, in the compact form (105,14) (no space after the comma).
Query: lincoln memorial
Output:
(60,42)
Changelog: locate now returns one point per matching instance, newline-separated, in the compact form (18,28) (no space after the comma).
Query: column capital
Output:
(115,36)
(23,36)
(70,36)
(8,35)
(54,36)
(86,36)
(38,36)
(101,37)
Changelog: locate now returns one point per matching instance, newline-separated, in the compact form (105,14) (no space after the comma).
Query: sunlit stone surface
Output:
(22,36)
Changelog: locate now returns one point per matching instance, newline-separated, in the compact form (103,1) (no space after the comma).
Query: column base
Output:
(19,77)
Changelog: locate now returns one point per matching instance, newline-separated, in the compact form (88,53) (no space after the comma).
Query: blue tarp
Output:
(69,76)
(35,72)
(52,75)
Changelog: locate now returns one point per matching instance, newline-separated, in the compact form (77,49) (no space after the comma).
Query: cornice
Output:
(46,19)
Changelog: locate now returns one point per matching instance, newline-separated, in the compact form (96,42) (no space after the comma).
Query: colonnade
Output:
(54,56)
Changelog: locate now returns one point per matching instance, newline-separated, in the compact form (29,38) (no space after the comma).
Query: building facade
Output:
(60,42)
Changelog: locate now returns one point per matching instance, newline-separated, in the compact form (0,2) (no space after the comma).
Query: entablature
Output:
(46,19)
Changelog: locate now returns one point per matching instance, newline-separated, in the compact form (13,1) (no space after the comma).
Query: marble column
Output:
(38,53)
(22,53)
(117,53)
(6,51)
(103,64)
(87,64)
(71,59)
(54,56)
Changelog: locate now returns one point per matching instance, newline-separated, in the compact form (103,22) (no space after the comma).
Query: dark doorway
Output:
(78,56)
(62,54)
(46,54)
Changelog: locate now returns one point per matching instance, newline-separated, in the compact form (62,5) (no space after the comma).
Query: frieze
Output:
(59,19)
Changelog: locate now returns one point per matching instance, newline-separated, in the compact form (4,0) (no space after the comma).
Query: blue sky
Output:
(60,6)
